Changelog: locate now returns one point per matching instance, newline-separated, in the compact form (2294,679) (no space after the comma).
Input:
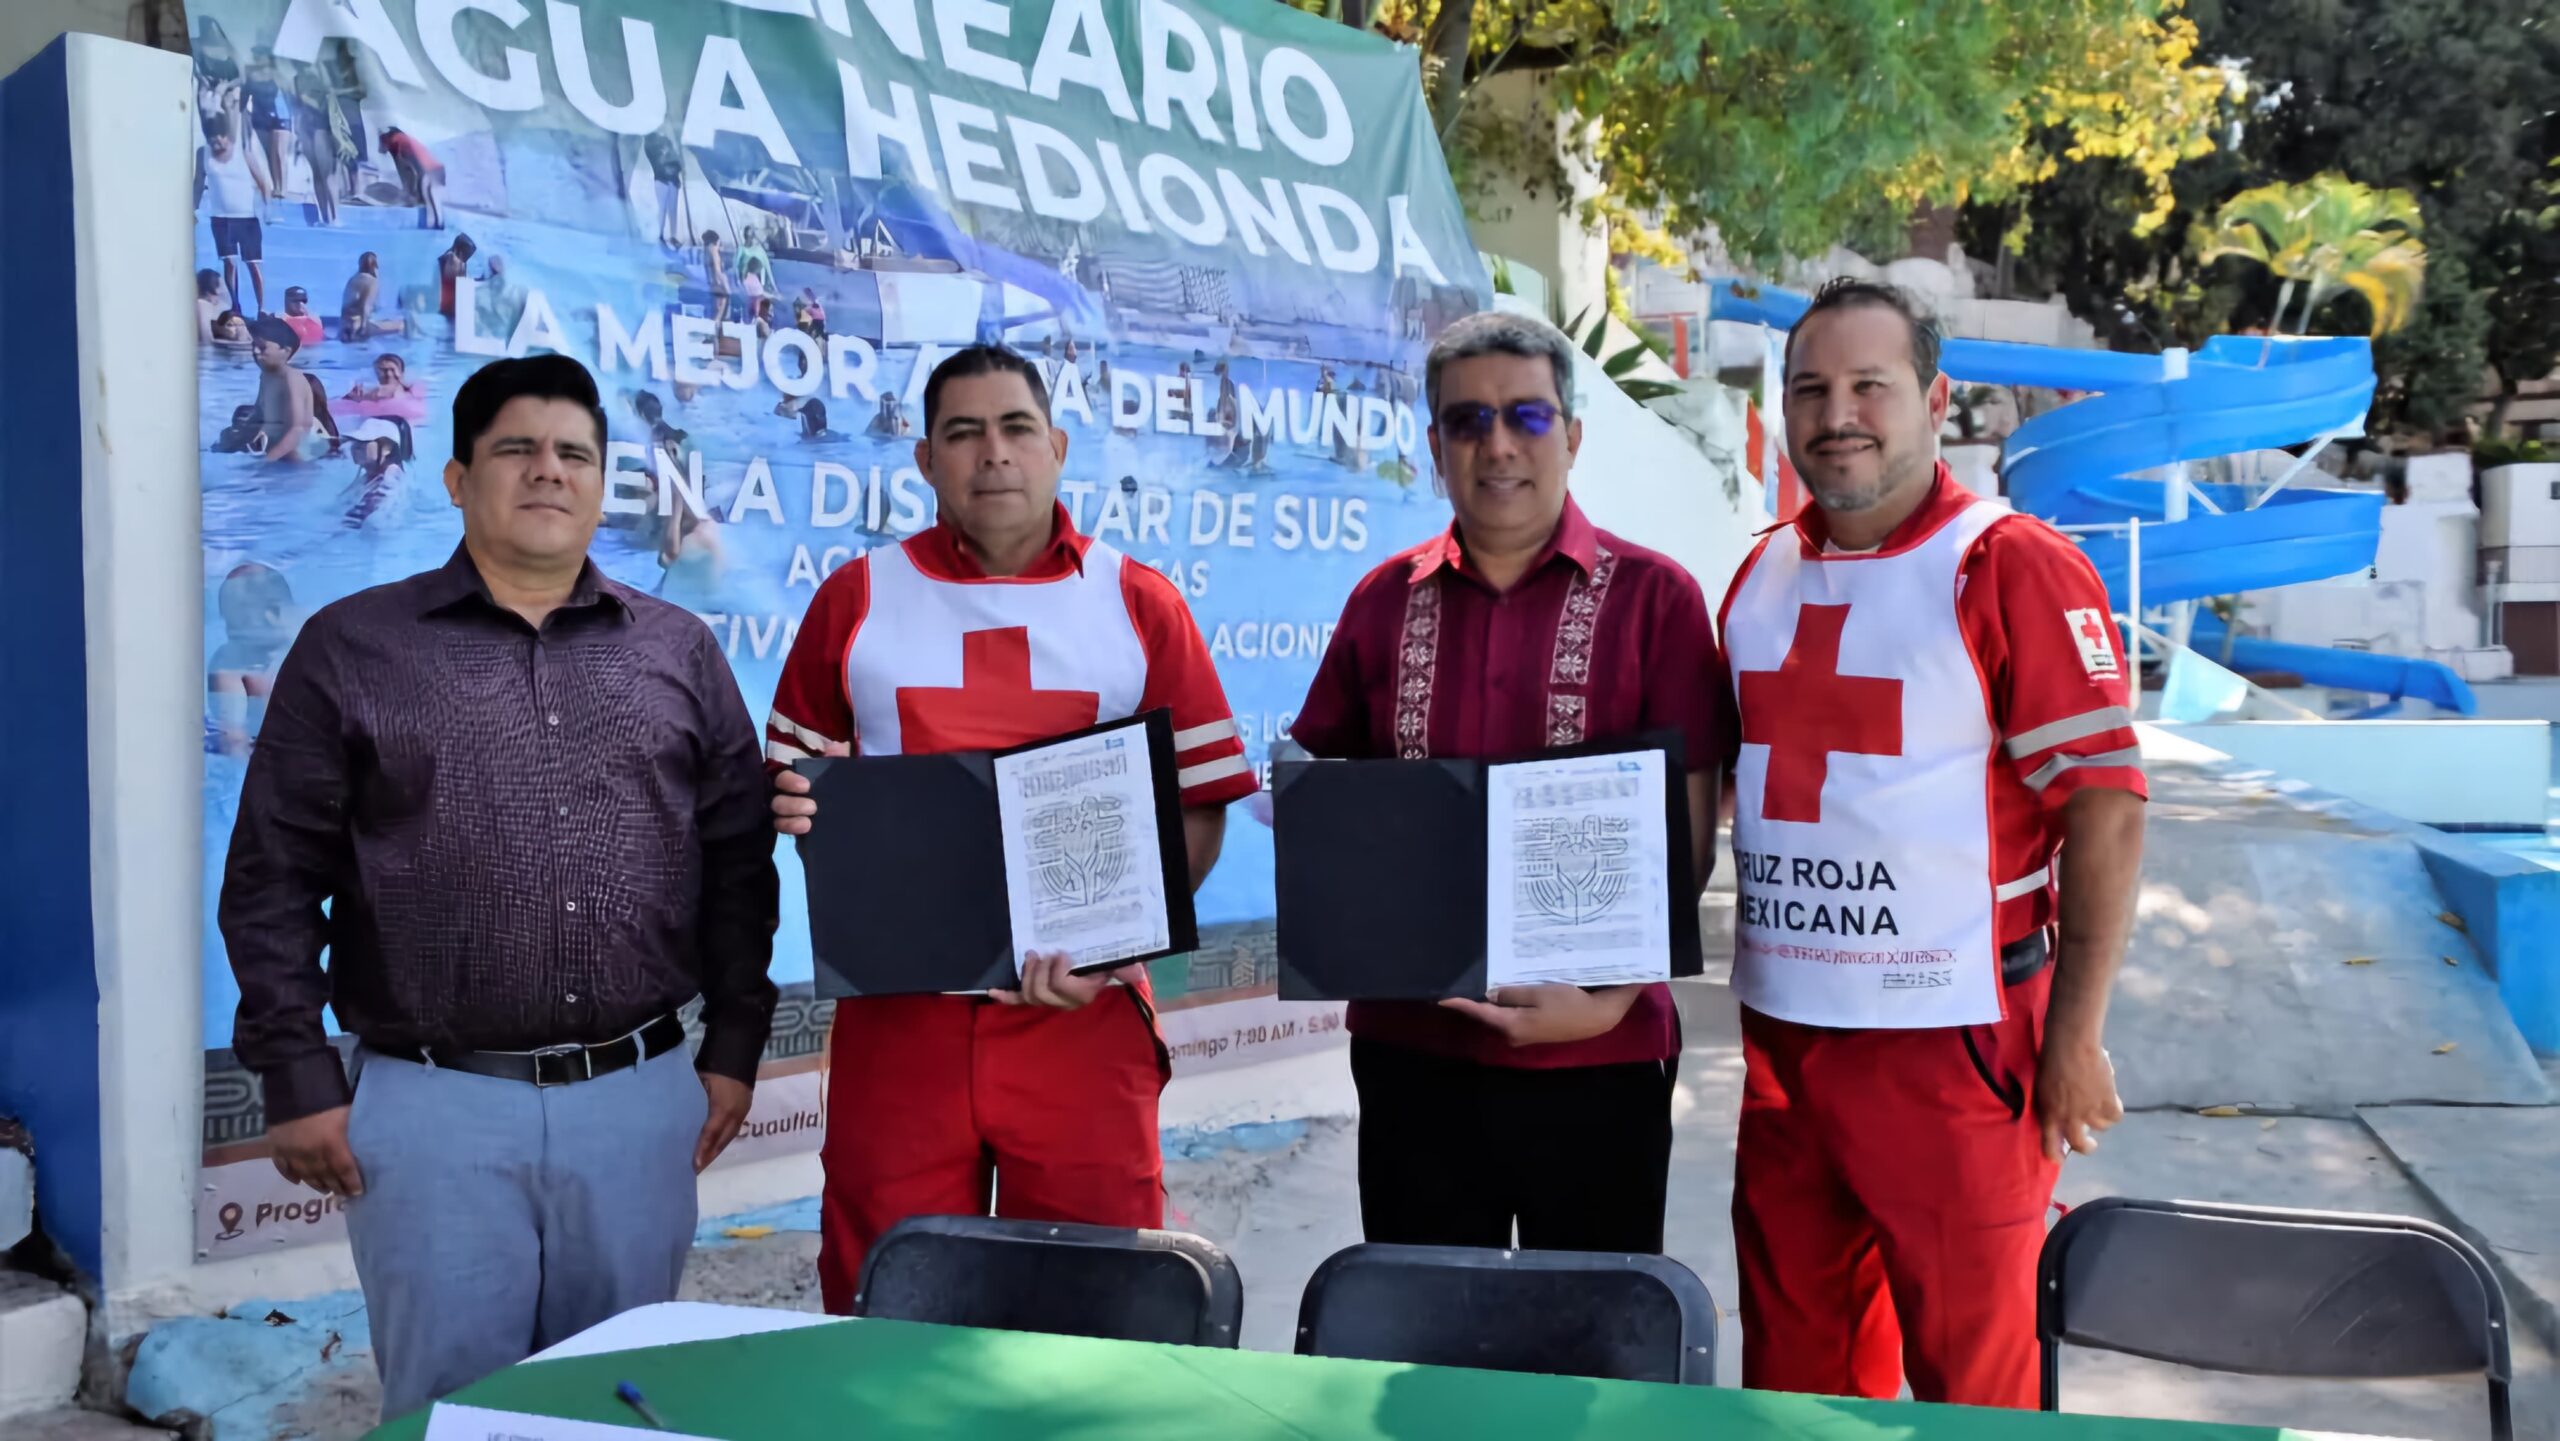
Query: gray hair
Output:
(1496,332)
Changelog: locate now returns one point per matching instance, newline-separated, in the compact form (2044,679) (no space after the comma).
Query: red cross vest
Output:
(1862,823)
(948,665)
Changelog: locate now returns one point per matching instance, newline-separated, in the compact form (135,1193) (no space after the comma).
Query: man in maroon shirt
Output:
(521,809)
(1523,627)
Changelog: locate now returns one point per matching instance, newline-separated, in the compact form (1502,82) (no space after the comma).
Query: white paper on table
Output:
(448,1422)
(1577,871)
(1083,863)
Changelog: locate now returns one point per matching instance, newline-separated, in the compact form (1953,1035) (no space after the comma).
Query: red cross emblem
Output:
(994,705)
(1806,711)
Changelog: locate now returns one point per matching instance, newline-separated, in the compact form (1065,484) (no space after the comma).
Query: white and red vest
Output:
(943,665)
(1862,824)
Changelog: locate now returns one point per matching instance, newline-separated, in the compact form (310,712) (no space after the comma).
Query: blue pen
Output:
(630,1395)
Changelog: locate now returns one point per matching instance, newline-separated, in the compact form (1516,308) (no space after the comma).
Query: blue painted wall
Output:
(48,972)
(2511,907)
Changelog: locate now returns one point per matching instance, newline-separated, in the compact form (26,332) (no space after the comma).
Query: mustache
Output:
(1828,436)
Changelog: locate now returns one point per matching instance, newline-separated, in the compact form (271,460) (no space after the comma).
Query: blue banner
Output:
(1223,228)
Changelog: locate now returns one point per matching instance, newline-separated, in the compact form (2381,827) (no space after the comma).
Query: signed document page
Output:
(1084,869)
(1577,871)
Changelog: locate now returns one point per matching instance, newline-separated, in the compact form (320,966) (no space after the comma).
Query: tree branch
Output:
(1451,35)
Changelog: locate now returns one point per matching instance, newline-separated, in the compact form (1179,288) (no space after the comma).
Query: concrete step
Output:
(2292,952)
(2493,1170)
(43,1329)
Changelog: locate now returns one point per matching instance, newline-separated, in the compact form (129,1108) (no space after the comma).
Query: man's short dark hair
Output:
(981,360)
(1848,291)
(544,377)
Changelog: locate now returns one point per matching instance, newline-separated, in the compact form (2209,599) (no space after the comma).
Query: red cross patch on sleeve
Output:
(2095,634)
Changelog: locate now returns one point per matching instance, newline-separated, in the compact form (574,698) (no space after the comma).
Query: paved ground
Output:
(2292,953)
(1282,1213)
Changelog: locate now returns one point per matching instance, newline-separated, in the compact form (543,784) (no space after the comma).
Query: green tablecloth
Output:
(890,1380)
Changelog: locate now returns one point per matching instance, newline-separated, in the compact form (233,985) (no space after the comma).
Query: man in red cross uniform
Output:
(1938,824)
(1544,1112)
(998,626)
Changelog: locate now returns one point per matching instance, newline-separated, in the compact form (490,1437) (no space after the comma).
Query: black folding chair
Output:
(2261,1291)
(1558,1313)
(1055,1277)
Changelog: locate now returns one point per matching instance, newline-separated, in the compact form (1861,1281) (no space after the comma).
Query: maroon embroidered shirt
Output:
(1601,639)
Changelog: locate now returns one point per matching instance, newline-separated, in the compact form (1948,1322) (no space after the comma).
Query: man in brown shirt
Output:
(533,806)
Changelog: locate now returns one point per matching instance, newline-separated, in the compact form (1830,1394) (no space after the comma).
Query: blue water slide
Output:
(2239,393)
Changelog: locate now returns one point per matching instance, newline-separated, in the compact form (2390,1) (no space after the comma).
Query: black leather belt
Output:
(552,1065)
(2023,957)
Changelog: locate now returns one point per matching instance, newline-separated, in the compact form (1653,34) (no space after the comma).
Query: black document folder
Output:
(906,868)
(1382,874)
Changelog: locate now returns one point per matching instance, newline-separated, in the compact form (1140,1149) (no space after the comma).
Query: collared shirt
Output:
(813,706)
(2037,619)
(523,837)
(1600,639)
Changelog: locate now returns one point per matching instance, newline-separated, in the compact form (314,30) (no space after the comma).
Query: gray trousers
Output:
(499,1218)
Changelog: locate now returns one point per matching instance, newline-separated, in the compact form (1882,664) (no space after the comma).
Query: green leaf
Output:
(1624,361)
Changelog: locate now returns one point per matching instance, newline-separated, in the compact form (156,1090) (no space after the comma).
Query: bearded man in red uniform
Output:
(998,626)
(1938,827)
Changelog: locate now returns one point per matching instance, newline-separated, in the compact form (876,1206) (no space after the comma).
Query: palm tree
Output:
(2325,235)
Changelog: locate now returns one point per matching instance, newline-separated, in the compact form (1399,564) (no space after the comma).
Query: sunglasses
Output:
(1473,420)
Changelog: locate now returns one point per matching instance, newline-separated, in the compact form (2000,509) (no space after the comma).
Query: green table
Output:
(892,1380)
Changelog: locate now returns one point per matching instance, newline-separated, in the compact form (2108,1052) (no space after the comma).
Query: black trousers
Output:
(1453,1153)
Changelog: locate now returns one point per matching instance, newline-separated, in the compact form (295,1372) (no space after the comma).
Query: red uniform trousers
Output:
(937,1105)
(1889,1200)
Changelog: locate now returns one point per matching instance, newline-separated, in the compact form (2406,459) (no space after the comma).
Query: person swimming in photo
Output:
(231,328)
(501,303)
(256,606)
(210,304)
(890,420)
(452,266)
(356,320)
(327,424)
(689,555)
(813,423)
(285,417)
(379,473)
(652,413)
(297,313)
(391,380)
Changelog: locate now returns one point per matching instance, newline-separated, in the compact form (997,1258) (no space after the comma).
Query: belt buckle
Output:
(584,1071)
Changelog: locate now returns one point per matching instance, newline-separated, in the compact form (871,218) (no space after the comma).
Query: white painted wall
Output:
(133,119)
(1544,231)
(2436,772)
(27,26)
(1639,476)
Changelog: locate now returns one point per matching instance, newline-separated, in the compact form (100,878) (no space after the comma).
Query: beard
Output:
(1848,497)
